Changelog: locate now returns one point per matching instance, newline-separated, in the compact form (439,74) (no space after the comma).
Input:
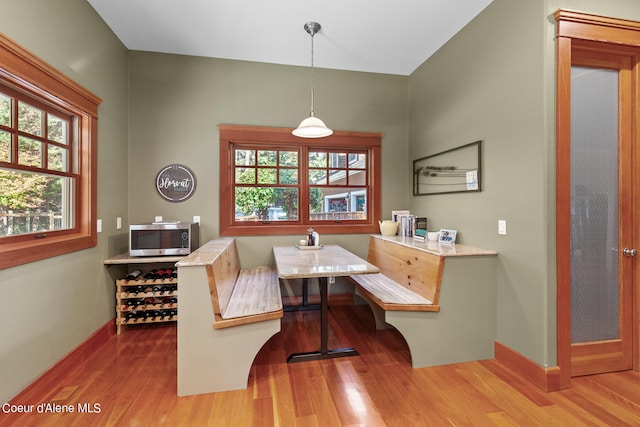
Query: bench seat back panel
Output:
(222,277)
(416,270)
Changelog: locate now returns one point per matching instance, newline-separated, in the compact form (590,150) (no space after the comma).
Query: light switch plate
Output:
(502,227)
(99,226)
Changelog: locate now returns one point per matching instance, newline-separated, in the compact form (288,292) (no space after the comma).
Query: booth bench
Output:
(226,315)
(441,298)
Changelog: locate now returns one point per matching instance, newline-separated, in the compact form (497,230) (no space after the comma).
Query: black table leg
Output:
(324,352)
(305,300)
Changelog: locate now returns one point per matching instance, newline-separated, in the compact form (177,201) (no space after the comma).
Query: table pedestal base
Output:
(305,300)
(319,355)
(324,352)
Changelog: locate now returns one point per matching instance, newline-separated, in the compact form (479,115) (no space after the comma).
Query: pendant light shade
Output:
(312,127)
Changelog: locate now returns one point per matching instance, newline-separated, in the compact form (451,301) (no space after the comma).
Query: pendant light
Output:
(312,127)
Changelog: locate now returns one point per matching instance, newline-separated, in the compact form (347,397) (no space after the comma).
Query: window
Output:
(275,183)
(47,160)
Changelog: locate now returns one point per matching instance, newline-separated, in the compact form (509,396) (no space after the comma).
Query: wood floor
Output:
(131,381)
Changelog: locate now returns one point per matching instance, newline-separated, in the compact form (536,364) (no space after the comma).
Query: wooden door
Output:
(589,45)
(602,248)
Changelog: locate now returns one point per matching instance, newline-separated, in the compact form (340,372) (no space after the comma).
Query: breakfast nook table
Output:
(323,263)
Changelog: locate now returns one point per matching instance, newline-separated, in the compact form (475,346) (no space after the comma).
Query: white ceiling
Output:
(380,36)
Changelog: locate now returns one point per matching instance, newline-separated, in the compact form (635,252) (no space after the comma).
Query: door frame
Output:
(622,35)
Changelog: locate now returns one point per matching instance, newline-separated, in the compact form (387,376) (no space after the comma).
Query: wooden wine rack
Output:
(153,306)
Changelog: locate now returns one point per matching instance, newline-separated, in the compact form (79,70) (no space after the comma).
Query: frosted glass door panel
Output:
(594,205)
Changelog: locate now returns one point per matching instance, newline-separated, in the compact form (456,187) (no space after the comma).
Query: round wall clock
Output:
(176,183)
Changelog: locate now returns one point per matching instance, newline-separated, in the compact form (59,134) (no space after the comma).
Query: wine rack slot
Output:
(141,299)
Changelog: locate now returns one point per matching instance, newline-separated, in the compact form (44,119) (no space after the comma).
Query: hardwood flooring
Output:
(131,381)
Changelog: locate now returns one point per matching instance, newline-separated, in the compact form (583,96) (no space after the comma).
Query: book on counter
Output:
(420,235)
(395,215)
(408,224)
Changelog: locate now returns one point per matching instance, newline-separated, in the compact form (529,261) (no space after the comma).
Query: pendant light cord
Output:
(312,127)
(312,77)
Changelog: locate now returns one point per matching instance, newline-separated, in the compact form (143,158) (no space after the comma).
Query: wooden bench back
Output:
(222,275)
(414,269)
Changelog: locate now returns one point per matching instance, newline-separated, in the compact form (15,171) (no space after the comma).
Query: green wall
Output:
(49,307)
(495,82)
(157,110)
(176,103)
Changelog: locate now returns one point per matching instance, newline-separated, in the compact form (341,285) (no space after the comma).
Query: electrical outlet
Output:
(502,227)
(332,279)
(196,219)
(118,223)
(158,219)
(99,226)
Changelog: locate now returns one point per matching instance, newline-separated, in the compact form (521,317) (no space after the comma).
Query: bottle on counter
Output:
(310,238)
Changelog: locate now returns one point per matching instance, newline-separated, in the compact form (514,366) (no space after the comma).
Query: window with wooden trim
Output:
(275,183)
(47,160)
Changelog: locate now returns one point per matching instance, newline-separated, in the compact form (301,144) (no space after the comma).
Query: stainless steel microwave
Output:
(166,238)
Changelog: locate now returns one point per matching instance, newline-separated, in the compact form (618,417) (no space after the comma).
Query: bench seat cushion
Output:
(388,291)
(257,291)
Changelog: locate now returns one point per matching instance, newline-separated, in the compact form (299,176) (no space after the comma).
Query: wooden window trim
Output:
(230,134)
(30,75)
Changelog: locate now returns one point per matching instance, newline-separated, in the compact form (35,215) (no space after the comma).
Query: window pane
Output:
(245,176)
(29,152)
(267,158)
(57,159)
(317,160)
(57,129)
(5,146)
(357,177)
(317,177)
(288,158)
(338,160)
(5,110)
(338,203)
(32,203)
(357,161)
(245,157)
(288,176)
(266,204)
(267,176)
(29,119)
(337,177)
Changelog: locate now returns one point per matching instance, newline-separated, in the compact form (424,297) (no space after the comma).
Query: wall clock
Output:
(175,183)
